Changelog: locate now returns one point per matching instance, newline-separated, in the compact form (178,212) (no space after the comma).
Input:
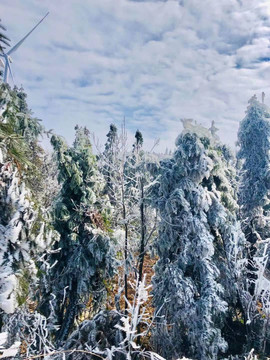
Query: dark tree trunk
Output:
(70,314)
(143,232)
(142,246)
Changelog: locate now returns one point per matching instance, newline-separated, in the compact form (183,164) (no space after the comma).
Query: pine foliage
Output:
(19,211)
(198,245)
(82,259)
(254,190)
(70,218)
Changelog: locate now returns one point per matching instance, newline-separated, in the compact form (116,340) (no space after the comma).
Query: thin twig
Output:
(64,351)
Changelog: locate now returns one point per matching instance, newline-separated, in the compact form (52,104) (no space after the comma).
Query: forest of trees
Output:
(121,253)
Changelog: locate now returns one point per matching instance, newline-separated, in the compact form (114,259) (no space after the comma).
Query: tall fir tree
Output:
(254,190)
(199,245)
(20,221)
(83,256)
(254,200)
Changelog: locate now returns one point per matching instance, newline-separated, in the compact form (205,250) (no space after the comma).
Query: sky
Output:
(96,62)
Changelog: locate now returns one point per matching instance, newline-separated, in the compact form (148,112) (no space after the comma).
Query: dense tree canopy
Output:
(83,236)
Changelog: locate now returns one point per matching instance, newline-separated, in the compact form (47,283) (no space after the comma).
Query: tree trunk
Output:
(143,232)
(142,246)
(126,249)
(69,315)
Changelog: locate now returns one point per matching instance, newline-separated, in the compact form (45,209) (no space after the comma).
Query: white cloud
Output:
(154,62)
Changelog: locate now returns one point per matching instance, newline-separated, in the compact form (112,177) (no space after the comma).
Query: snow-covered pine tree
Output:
(229,242)
(20,224)
(199,245)
(82,259)
(254,200)
(254,151)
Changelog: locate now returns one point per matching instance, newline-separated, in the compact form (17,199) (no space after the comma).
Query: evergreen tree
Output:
(199,245)
(254,151)
(139,141)
(11,138)
(83,256)
(254,191)
(20,223)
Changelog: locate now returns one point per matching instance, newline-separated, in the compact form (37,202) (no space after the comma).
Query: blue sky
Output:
(92,62)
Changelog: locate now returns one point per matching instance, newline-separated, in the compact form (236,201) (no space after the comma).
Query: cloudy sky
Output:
(92,62)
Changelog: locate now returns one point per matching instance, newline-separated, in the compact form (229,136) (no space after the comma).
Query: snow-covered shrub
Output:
(114,335)
(136,315)
(30,329)
(99,335)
